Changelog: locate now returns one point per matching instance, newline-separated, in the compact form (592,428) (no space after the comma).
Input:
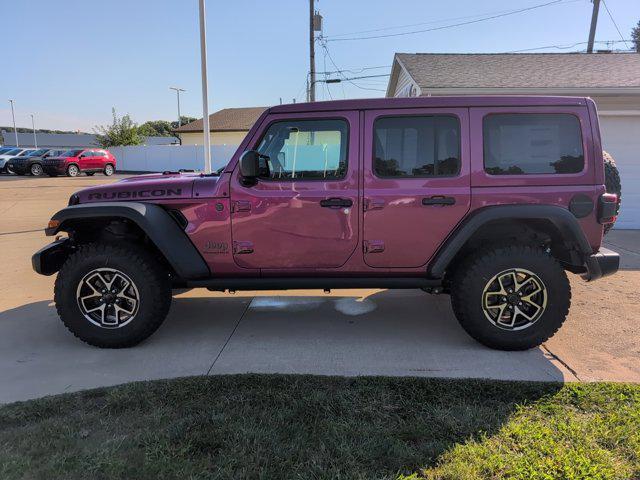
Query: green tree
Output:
(183,121)
(156,128)
(122,131)
(635,36)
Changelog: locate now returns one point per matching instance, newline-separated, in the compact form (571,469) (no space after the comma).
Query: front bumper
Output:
(600,264)
(17,168)
(49,259)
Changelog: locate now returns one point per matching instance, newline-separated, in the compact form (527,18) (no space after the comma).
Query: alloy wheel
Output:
(108,298)
(36,170)
(108,170)
(514,299)
(73,171)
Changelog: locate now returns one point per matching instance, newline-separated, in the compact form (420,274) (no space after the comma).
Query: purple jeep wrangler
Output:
(489,199)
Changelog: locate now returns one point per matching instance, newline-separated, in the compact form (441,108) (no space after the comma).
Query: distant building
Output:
(69,140)
(226,127)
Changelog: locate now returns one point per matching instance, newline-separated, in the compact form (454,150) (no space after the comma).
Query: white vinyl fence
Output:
(160,158)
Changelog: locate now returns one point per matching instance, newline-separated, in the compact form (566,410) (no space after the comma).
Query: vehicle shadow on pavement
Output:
(389,333)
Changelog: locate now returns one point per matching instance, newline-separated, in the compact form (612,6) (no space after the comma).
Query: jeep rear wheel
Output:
(511,298)
(36,169)
(108,170)
(112,296)
(73,171)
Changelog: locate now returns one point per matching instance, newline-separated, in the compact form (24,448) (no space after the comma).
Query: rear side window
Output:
(305,150)
(521,144)
(417,146)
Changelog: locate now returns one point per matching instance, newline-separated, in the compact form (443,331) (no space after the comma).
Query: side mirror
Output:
(250,164)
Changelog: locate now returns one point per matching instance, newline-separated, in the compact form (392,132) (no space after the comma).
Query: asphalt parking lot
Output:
(372,332)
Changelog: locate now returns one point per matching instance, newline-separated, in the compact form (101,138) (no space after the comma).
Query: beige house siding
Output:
(405,87)
(217,138)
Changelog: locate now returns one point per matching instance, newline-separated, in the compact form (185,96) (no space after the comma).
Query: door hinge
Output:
(373,204)
(241,206)
(240,248)
(373,246)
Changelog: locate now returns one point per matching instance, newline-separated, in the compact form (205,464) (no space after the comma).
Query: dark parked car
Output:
(489,199)
(31,163)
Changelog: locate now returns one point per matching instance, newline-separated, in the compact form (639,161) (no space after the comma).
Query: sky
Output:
(69,62)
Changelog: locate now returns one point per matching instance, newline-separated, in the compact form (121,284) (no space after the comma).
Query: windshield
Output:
(71,153)
(38,153)
(5,150)
(25,153)
(13,151)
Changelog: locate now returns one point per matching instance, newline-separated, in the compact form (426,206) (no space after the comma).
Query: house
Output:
(69,140)
(611,79)
(227,127)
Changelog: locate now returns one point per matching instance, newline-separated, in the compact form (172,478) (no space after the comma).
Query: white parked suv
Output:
(11,153)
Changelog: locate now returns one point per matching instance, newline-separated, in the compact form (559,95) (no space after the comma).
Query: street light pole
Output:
(178,90)
(33,125)
(13,116)
(205,94)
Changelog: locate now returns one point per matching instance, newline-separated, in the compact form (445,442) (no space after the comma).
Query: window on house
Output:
(417,146)
(520,144)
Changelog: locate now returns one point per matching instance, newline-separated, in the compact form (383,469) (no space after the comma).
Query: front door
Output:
(303,210)
(416,183)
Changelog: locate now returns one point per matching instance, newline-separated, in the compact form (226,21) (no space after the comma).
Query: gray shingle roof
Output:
(523,70)
(228,119)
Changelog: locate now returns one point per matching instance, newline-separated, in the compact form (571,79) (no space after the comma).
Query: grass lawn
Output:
(304,427)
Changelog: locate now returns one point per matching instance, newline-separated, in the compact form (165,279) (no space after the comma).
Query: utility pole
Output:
(33,125)
(13,116)
(312,56)
(594,21)
(178,90)
(205,94)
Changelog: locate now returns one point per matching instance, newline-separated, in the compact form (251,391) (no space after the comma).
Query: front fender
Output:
(153,220)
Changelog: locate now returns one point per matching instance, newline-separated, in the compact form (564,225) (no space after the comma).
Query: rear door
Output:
(416,183)
(303,211)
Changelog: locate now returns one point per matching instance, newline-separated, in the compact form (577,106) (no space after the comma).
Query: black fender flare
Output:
(154,221)
(560,217)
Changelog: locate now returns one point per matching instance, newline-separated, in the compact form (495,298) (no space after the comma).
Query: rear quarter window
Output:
(526,144)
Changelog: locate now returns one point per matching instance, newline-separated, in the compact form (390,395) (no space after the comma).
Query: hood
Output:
(141,188)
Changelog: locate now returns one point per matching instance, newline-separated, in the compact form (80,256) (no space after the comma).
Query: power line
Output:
(453,25)
(565,47)
(427,23)
(323,43)
(614,23)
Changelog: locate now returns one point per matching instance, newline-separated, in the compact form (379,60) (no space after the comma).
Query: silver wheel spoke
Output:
(107,298)
(514,299)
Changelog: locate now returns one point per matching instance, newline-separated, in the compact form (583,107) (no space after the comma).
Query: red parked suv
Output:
(489,199)
(73,162)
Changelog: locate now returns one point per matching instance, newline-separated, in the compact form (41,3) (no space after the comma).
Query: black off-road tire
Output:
(151,280)
(612,183)
(471,277)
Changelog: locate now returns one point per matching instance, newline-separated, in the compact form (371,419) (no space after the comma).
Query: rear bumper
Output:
(49,259)
(602,263)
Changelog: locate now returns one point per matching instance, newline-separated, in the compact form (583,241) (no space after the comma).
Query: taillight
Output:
(607,208)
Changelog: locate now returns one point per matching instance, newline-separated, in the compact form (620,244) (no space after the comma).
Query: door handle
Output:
(336,202)
(439,200)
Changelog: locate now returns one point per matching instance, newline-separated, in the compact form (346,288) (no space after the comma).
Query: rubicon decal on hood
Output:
(154,193)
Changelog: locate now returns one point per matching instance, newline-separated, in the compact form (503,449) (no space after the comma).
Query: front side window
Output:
(417,146)
(38,153)
(520,144)
(305,150)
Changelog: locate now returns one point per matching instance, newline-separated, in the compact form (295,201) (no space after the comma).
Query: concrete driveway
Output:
(363,332)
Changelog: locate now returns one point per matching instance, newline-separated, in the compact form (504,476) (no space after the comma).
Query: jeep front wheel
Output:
(112,296)
(511,298)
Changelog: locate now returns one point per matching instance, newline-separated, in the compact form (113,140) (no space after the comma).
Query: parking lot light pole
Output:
(33,125)
(205,94)
(13,116)
(178,90)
